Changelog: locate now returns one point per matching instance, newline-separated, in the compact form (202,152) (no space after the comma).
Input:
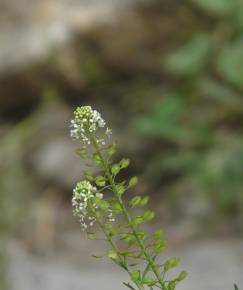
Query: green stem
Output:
(113,246)
(140,243)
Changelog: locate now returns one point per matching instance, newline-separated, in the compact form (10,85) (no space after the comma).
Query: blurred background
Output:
(167,76)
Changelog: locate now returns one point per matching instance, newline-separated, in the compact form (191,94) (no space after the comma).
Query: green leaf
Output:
(191,58)
(83,153)
(96,158)
(182,276)
(112,149)
(158,235)
(236,287)
(217,7)
(112,255)
(171,285)
(100,180)
(144,201)
(101,203)
(171,263)
(230,63)
(111,229)
(159,246)
(115,169)
(124,163)
(128,238)
(149,281)
(138,220)
(120,189)
(89,175)
(149,215)
(116,207)
(136,276)
(133,181)
(141,234)
(135,201)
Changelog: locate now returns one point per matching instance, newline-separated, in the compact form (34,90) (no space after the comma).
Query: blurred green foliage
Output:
(200,116)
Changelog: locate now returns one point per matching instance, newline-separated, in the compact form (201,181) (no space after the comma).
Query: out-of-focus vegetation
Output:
(199,119)
(167,74)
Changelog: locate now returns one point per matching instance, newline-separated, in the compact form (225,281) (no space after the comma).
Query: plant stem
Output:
(140,243)
(114,248)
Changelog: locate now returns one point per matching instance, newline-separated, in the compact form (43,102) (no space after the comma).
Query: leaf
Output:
(112,149)
(96,158)
(236,287)
(217,7)
(120,189)
(191,58)
(135,201)
(138,220)
(144,201)
(230,63)
(128,238)
(136,276)
(163,121)
(222,93)
(124,163)
(149,281)
(100,180)
(171,263)
(159,246)
(171,285)
(141,234)
(133,181)
(112,254)
(149,215)
(112,230)
(89,175)
(101,203)
(182,276)
(117,207)
(115,169)
(158,234)
(83,153)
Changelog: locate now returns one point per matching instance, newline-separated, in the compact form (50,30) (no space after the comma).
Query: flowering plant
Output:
(130,246)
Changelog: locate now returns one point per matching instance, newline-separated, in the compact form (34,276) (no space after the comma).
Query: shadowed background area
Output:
(167,76)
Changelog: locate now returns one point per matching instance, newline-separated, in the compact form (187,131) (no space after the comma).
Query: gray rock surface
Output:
(56,160)
(212,264)
(29,30)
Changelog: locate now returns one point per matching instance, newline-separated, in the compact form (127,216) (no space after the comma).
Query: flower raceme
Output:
(87,121)
(83,195)
(130,246)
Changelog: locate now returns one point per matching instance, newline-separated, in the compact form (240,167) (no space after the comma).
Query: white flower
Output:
(82,196)
(86,121)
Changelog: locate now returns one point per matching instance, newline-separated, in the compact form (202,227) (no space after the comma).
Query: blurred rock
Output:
(41,46)
(137,44)
(212,264)
(47,24)
(56,161)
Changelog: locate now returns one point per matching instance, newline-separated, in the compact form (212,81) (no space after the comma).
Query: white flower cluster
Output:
(82,196)
(86,120)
